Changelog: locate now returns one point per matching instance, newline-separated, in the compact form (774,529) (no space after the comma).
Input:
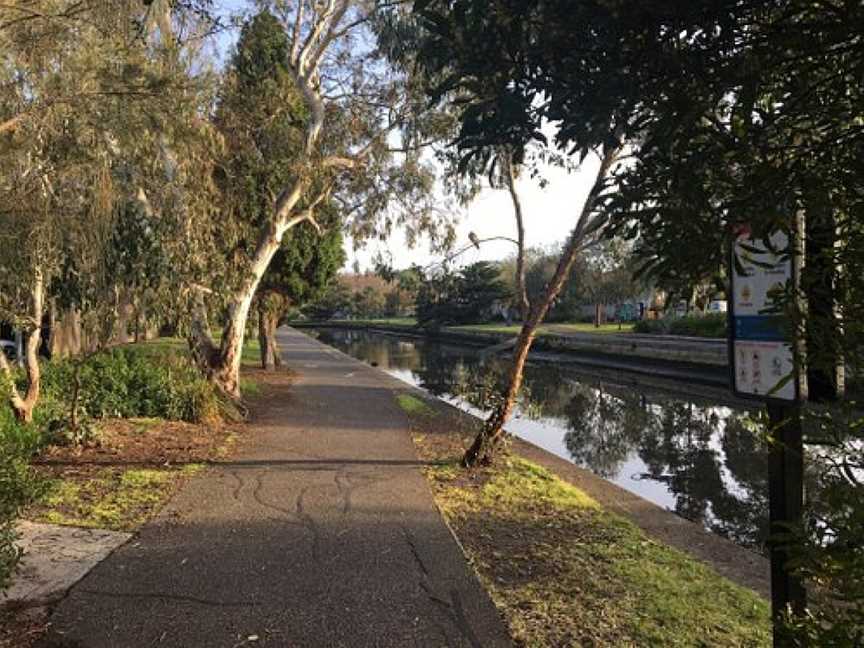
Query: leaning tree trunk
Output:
(23,406)
(587,229)
(222,364)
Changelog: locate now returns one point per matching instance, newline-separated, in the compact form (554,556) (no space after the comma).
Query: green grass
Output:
(563,571)
(249,387)
(251,349)
(576,574)
(585,327)
(413,405)
(166,344)
(108,499)
(523,479)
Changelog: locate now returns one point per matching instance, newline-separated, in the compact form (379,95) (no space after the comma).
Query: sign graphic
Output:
(761,354)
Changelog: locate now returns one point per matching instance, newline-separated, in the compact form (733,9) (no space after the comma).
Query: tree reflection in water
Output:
(699,449)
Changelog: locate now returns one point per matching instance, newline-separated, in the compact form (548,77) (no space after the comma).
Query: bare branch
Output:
(339,161)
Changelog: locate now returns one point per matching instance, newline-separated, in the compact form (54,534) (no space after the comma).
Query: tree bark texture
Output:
(587,227)
(66,339)
(23,406)
(221,364)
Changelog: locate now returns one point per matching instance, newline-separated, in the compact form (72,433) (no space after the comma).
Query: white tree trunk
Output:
(23,406)
(222,364)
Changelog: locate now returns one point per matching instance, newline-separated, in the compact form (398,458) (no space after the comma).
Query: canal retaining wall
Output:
(667,348)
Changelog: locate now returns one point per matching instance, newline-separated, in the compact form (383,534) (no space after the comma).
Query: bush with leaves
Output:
(712,326)
(18,486)
(130,381)
(133,381)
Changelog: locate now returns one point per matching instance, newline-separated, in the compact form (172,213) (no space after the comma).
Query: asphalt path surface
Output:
(321,532)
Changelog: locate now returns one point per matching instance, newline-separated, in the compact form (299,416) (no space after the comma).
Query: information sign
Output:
(761,354)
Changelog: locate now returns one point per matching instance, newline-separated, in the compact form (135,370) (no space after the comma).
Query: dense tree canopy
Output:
(466,296)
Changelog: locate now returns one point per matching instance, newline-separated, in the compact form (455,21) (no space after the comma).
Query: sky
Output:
(550,212)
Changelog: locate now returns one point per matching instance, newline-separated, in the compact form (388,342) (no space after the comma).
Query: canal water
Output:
(684,447)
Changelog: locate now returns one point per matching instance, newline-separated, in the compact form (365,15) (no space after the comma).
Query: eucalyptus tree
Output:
(359,130)
(258,112)
(54,170)
(87,107)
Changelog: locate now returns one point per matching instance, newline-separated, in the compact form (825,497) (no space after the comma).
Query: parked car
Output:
(10,349)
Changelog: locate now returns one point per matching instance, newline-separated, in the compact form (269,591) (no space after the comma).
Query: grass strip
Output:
(565,572)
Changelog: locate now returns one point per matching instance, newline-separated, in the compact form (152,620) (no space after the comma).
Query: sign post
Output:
(762,360)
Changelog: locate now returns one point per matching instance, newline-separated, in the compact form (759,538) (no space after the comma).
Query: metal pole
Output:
(786,499)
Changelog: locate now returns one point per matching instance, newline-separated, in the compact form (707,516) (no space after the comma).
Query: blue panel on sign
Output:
(768,328)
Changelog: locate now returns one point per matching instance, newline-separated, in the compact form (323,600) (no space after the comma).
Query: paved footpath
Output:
(321,532)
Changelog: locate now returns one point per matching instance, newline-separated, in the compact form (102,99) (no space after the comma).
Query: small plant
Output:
(18,487)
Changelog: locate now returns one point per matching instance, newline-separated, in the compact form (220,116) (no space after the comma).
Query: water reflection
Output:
(690,454)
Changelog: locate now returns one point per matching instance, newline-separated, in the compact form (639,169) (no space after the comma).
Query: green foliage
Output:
(131,381)
(368,303)
(262,115)
(18,487)
(18,483)
(306,264)
(465,297)
(712,325)
(736,113)
(829,550)
(134,381)
(334,302)
(412,405)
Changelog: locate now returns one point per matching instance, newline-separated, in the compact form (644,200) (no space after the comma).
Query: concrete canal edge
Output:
(702,359)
